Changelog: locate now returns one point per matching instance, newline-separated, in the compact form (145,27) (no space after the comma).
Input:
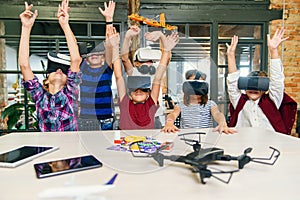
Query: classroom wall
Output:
(291,48)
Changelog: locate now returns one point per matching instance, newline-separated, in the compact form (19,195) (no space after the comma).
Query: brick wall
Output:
(291,47)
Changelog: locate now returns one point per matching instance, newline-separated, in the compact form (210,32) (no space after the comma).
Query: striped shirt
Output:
(56,112)
(96,99)
(196,116)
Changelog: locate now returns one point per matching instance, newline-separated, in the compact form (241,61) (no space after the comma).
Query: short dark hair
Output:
(190,73)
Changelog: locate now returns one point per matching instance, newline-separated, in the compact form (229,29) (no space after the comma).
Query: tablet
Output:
(67,165)
(23,154)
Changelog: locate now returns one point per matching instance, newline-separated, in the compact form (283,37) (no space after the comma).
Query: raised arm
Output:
(112,45)
(168,44)
(27,19)
(231,54)
(108,14)
(63,19)
(132,32)
(276,87)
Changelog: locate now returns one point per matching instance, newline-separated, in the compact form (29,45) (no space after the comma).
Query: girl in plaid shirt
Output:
(57,100)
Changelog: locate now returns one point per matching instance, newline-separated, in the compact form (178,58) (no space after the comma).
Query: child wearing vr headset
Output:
(196,110)
(144,58)
(57,102)
(139,103)
(96,97)
(264,103)
(144,61)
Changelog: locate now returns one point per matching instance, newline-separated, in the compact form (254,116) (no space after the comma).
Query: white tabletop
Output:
(142,178)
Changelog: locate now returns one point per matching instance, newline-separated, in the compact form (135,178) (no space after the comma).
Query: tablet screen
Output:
(22,154)
(67,165)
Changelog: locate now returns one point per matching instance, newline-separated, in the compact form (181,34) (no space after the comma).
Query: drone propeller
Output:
(244,159)
(248,150)
(194,143)
(206,173)
(189,140)
(274,156)
(193,133)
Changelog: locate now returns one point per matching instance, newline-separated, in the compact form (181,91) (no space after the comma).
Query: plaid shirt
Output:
(56,112)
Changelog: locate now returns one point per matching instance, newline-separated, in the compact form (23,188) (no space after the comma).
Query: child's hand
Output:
(28,17)
(225,129)
(112,37)
(169,128)
(133,31)
(276,39)
(170,41)
(108,11)
(63,12)
(232,47)
(154,35)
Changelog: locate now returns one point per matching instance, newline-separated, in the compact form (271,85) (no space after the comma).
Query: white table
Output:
(142,178)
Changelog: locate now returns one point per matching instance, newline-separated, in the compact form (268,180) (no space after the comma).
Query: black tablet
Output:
(20,155)
(67,165)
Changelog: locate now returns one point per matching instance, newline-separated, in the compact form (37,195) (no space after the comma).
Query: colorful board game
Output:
(142,144)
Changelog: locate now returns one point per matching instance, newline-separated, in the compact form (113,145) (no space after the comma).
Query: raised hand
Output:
(63,12)
(28,17)
(170,41)
(154,35)
(112,37)
(232,47)
(133,31)
(277,38)
(108,11)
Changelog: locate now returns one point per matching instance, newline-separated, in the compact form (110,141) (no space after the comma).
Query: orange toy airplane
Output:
(152,22)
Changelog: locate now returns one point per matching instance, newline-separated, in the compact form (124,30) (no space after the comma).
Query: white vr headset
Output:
(147,54)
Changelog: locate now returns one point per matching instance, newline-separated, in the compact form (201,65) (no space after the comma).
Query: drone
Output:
(200,158)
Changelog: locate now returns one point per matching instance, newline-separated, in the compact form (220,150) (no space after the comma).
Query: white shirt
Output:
(251,115)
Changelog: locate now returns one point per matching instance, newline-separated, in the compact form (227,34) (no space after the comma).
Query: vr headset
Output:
(58,61)
(146,69)
(88,48)
(138,82)
(147,54)
(254,83)
(195,87)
